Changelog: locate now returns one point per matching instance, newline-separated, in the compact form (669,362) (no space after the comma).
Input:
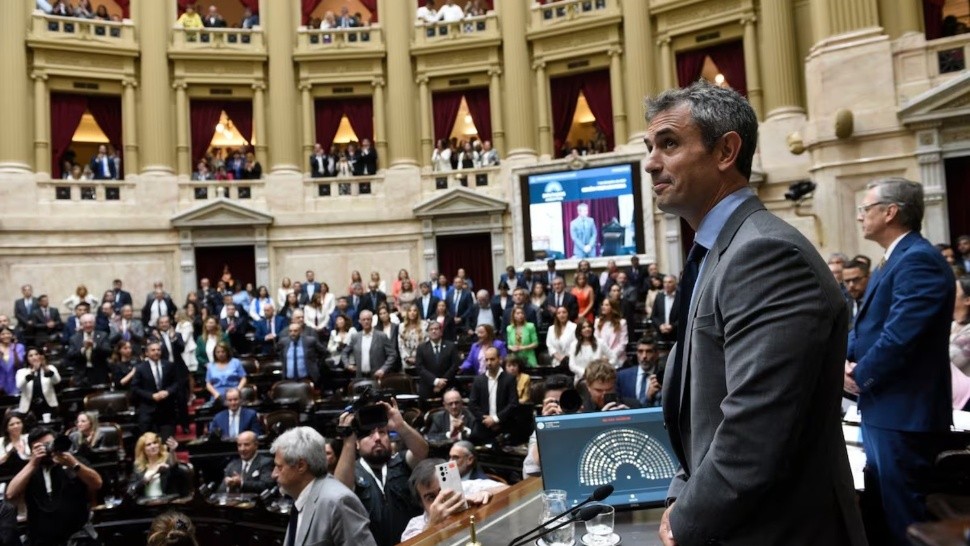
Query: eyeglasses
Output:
(862,209)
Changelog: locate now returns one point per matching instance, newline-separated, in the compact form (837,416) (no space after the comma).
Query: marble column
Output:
(155,114)
(782,85)
(15,146)
(379,138)
(899,17)
(495,101)
(129,113)
(308,114)
(520,135)
(259,122)
(183,138)
(616,95)
(639,66)
(280,32)
(401,140)
(667,80)
(42,124)
(425,115)
(833,17)
(542,110)
(752,66)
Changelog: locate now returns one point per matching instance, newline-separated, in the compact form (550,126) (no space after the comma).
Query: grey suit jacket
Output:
(760,444)
(381,352)
(333,515)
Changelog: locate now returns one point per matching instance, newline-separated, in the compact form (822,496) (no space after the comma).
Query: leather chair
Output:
(279,421)
(107,403)
(399,383)
(298,394)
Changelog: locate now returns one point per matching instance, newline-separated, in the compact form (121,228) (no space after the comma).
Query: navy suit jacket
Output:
(465,305)
(626,385)
(900,341)
(248,420)
(98,168)
(432,304)
(262,330)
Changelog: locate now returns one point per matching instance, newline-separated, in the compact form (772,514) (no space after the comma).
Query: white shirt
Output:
(892,246)
(668,306)
(470,487)
(561,344)
(365,342)
(426,15)
(450,13)
(159,308)
(300,503)
(485,316)
(493,394)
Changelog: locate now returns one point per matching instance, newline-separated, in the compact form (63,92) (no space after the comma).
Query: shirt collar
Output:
(303,498)
(892,245)
(714,221)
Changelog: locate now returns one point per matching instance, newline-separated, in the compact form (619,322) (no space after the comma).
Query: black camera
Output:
(61,444)
(570,401)
(368,412)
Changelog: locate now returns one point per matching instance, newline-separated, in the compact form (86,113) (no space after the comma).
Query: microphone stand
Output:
(543,530)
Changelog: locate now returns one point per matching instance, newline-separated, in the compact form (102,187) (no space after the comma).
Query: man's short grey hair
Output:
(905,194)
(423,475)
(716,111)
(467,446)
(302,443)
(482,293)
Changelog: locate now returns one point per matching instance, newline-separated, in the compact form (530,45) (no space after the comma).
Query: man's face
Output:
(685,174)
(342,304)
(462,458)
(948,255)
(297,318)
(458,283)
(670,284)
(154,352)
(442,280)
(836,269)
(453,404)
(4,321)
(428,494)
(621,279)
(358,290)
(425,289)
(232,400)
(558,285)
(599,389)
(519,297)
(204,283)
(231,310)
(295,330)
(646,356)
(42,301)
(582,210)
(366,321)
(434,331)
(27,291)
(287,476)
(963,245)
(309,276)
(873,219)
(492,360)
(126,312)
(855,282)
(246,445)
(164,322)
(87,324)
(375,446)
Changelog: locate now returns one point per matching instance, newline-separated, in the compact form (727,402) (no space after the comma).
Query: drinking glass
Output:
(600,527)
(553,504)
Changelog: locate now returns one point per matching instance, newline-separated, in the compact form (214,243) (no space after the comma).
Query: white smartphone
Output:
(450,478)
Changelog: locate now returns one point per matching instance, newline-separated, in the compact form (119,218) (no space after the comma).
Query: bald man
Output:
(251,472)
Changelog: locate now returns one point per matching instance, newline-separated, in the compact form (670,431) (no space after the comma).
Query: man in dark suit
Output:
(236,326)
(214,19)
(371,350)
(559,297)
(23,308)
(103,165)
(548,275)
(636,276)
(666,311)
(321,164)
(173,346)
(460,303)
(855,278)
(436,363)
(47,322)
(511,278)
(235,420)
(752,392)
(73,323)
(492,419)
(455,422)
(303,356)
(122,297)
(88,352)
(365,159)
(310,286)
(160,305)
(251,472)
(898,355)
(207,296)
(373,299)
(153,392)
(426,302)
(520,298)
(268,330)
(642,382)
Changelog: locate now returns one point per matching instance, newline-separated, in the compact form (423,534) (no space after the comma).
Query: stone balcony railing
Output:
(484,180)
(75,31)
(363,39)
(77,191)
(469,28)
(194,191)
(554,14)
(225,40)
(922,64)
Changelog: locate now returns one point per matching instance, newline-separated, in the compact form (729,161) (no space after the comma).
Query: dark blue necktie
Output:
(642,394)
(293,367)
(291,528)
(686,290)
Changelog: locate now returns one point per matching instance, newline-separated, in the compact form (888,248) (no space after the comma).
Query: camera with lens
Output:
(570,401)
(368,411)
(60,444)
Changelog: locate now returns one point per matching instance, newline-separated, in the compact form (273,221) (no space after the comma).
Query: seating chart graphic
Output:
(612,450)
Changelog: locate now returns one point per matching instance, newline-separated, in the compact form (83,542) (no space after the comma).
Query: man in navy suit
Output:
(153,390)
(641,382)
(103,165)
(511,278)
(73,324)
(311,286)
(557,298)
(898,354)
(122,297)
(235,419)
(426,302)
(268,330)
(460,303)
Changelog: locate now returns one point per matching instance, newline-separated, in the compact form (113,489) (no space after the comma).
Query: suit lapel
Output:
(879,274)
(309,511)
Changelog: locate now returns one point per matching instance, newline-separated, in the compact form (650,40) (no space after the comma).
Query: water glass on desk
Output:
(553,504)
(600,528)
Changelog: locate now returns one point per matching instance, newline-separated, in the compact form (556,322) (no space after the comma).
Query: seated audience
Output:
(13,443)
(224,372)
(642,382)
(493,400)
(87,434)
(329,511)
(12,357)
(251,471)
(56,487)
(155,472)
(523,383)
(440,503)
(36,384)
(231,422)
(453,423)
(172,529)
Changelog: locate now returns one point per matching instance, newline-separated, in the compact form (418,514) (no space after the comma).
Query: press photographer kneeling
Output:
(56,486)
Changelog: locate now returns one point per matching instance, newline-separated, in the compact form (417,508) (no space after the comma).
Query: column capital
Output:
(39,75)
(494,71)
(615,51)
(539,65)
(422,79)
(304,86)
(748,19)
(663,41)
(129,82)
(259,86)
(378,82)
(180,85)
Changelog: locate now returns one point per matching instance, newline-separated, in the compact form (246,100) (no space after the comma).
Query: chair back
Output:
(107,403)
(289,391)
(399,383)
(279,421)
(249,395)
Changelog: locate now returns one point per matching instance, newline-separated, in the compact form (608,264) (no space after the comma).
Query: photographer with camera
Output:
(379,479)
(56,486)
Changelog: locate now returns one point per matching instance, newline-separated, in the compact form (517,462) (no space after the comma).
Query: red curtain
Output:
(444,108)
(689,65)
(253,5)
(371,6)
(933,18)
(107,112)
(564,92)
(308,7)
(481,110)
(241,114)
(596,88)
(182,4)
(125,8)
(472,252)
(66,112)
(729,59)
(327,116)
(360,114)
(602,211)
(203,117)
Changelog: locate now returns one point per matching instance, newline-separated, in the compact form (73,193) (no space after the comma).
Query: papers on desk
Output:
(961,420)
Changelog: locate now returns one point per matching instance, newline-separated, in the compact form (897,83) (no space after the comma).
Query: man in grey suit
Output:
(372,351)
(251,472)
(583,232)
(324,510)
(752,391)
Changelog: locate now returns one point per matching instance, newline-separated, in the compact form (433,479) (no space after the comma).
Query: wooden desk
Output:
(951,532)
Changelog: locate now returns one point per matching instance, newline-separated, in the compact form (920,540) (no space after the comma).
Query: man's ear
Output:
(726,150)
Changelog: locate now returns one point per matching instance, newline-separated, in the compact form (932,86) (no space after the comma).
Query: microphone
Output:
(585,514)
(598,495)
(270,492)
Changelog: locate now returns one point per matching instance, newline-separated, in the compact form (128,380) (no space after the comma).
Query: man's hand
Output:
(653,387)
(395,421)
(439,383)
(88,343)
(445,504)
(233,481)
(345,419)
(350,368)
(159,396)
(379,374)
(489,422)
(550,406)
(458,425)
(64,459)
(479,498)
(614,406)
(848,380)
(665,532)
(270,337)
(666,328)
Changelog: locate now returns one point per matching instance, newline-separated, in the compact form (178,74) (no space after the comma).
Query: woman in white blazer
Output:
(26,380)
